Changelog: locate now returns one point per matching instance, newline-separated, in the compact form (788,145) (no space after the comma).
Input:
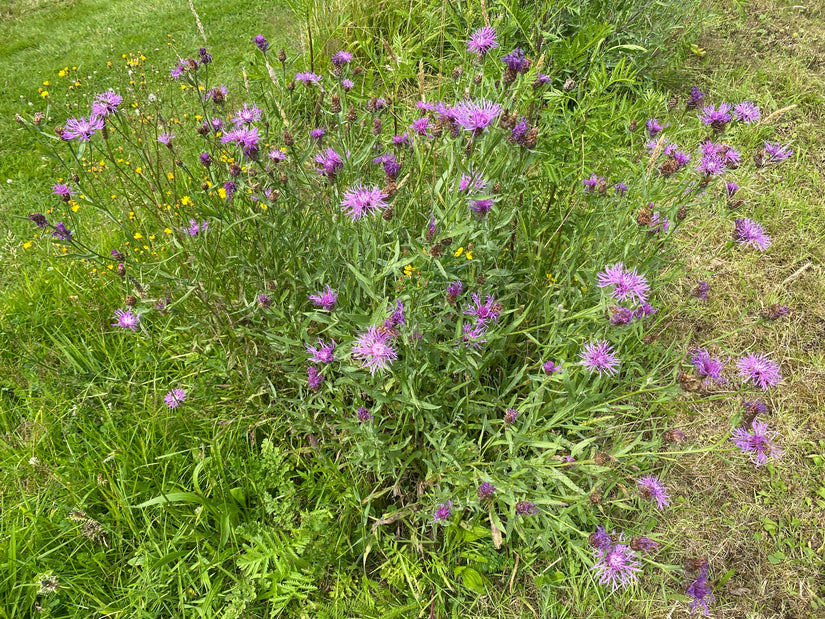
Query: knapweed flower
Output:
(360,201)
(174,398)
(474,182)
(64,191)
(716,118)
(330,162)
(747,112)
(373,349)
(590,184)
(484,312)
(473,336)
(61,232)
(195,228)
(325,299)
(229,188)
(701,291)
(653,127)
(308,78)
(516,62)
(443,511)
(178,70)
(82,129)
(761,371)
(396,317)
(601,539)
(651,488)
(510,416)
(708,367)
(245,137)
(482,41)
(339,59)
(526,508)
(276,155)
(106,103)
(701,592)
(643,544)
(748,232)
(205,56)
(421,125)
(476,116)
(481,207)
(166,139)
(264,300)
(627,283)
(659,223)
(620,316)
(247,115)
(217,124)
(776,311)
(39,220)
(757,442)
(616,564)
(486,490)
(314,378)
(599,357)
(696,99)
(206,160)
(126,319)
(363,414)
(324,353)
(621,189)
(645,309)
(261,43)
(519,132)
(347,84)
(551,368)
(317,134)
(777,152)
(731,189)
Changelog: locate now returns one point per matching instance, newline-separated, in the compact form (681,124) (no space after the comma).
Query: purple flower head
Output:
(195,229)
(217,94)
(205,56)
(174,398)
(82,129)
(484,312)
(363,414)
(178,70)
(325,299)
(360,201)
(777,152)
(701,592)
(591,183)
(245,137)
(659,223)
(645,309)
(308,78)
(510,416)
(526,508)
(106,103)
(247,115)
(347,85)
(314,378)
(516,62)
(601,539)
(166,139)
(708,367)
(747,112)
(455,289)
(61,232)
(599,357)
(431,227)
(543,78)
(551,368)
(317,134)
(482,41)
(732,158)
(64,191)
(373,349)
(716,118)
(217,124)
(754,407)
(264,300)
(757,442)
(339,59)
(261,43)
(761,371)
(643,544)
(324,353)
(276,155)
(731,189)
(620,316)
(446,112)
(380,103)
(330,162)
(126,319)
(701,291)
(401,140)
(654,128)
(473,336)
(748,232)
(627,283)
(476,116)
(391,165)
(443,511)
(651,488)
(481,207)
(396,317)
(621,189)
(230,187)
(681,158)
(424,106)
(39,220)
(519,132)
(696,99)
(421,126)
(486,490)
(474,182)
(616,565)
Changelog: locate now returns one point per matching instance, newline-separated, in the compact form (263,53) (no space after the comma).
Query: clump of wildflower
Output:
(696,99)
(166,139)
(599,357)
(308,78)
(651,488)
(748,232)
(340,58)
(276,155)
(363,415)
(106,103)
(777,152)
(731,189)
(454,291)
(261,43)
(330,162)
(653,127)
(776,311)
(39,220)
(82,129)
(659,223)
(601,539)
(627,283)
(516,61)
(323,353)
(751,410)
(178,70)
(360,201)
(247,115)
(373,349)
(476,116)
(174,398)
(708,367)
(347,84)
(593,183)
(421,126)
(617,564)
(701,290)
(472,182)
(264,300)
(481,207)
(443,511)
(64,191)
(510,416)
(701,591)
(716,118)
(761,371)
(747,112)
(484,312)
(621,189)
(474,334)
(217,94)
(486,490)
(206,160)
(396,317)
(314,378)
(195,228)
(126,319)
(482,41)
(317,134)
(61,232)
(551,368)
(643,544)
(205,56)
(325,299)
(620,316)
(526,508)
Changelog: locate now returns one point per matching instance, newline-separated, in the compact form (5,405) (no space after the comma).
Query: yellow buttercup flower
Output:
(458,252)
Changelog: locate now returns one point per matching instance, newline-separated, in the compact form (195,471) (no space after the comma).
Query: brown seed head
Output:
(282,56)
(130,300)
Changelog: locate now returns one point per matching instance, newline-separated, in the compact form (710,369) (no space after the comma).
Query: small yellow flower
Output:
(170,176)
(61,73)
(138,236)
(469,255)
(131,215)
(46,83)
(458,252)
(138,170)
(185,200)
(75,208)
(27,244)
(168,230)
(198,117)
(110,266)
(222,193)
(44,94)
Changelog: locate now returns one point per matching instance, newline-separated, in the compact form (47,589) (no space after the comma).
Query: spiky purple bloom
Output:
(276,155)
(777,152)
(621,188)
(591,183)
(245,137)
(39,220)
(651,488)
(748,232)
(473,336)
(697,98)
(519,132)
(551,368)
(396,317)
(732,158)
(126,319)
(391,165)
(443,511)
(308,78)
(707,366)
(510,416)
(601,539)
(360,201)
(82,129)
(486,490)
(64,191)
(645,544)
(174,398)
(205,56)
(323,353)
(659,223)
(481,207)
(230,187)
(317,134)
(476,116)
(431,227)
(482,41)
(178,70)
(616,565)
(543,78)
(339,59)
(627,283)
(314,378)
(217,124)
(401,140)
(516,62)
(701,291)
(347,84)
(756,406)
(325,299)
(731,189)
(264,300)
(484,312)
(526,508)
(758,442)
(217,94)
(421,126)
(761,371)
(599,357)
(373,349)
(747,112)
(454,290)
(363,414)
(681,158)
(716,118)
(61,232)
(380,103)
(621,316)
(247,115)
(106,103)
(330,162)
(475,182)
(261,43)
(195,228)
(166,139)
(653,127)
(701,592)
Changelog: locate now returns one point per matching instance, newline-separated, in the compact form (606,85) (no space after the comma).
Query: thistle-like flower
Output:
(651,488)
(599,357)
(758,369)
(360,201)
(373,349)
(482,41)
(627,283)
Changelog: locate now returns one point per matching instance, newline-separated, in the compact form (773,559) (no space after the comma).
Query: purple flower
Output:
(82,129)
(373,349)
(599,357)
(697,98)
(217,124)
(396,317)
(474,334)
(621,188)
(482,41)
(659,223)
(324,353)
(64,191)
(206,160)
(643,544)
(261,43)
(645,309)
(106,103)
(627,283)
(510,416)
(748,232)
(443,511)
(601,539)
(474,182)
(431,227)
(360,201)
(701,592)
(755,407)
(731,189)
(486,490)
(264,300)
(481,207)
(230,187)
(517,135)
(391,165)
(526,508)
(166,139)
(317,134)
(701,291)
(551,368)
(325,299)
(616,565)
(758,442)
(276,155)
(454,290)
(543,78)
(651,488)
(761,371)
(126,319)
(330,162)
(39,220)
(205,56)
(174,398)
(653,128)
(347,85)
(747,112)
(61,232)
(314,378)
(708,366)
(711,165)
(777,152)
(516,62)
(717,119)
(195,229)
(591,183)
(421,125)
(339,59)
(363,414)
(245,137)
(484,312)
(476,116)
(217,94)
(401,140)
(178,70)
(308,78)
(247,115)
(681,158)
